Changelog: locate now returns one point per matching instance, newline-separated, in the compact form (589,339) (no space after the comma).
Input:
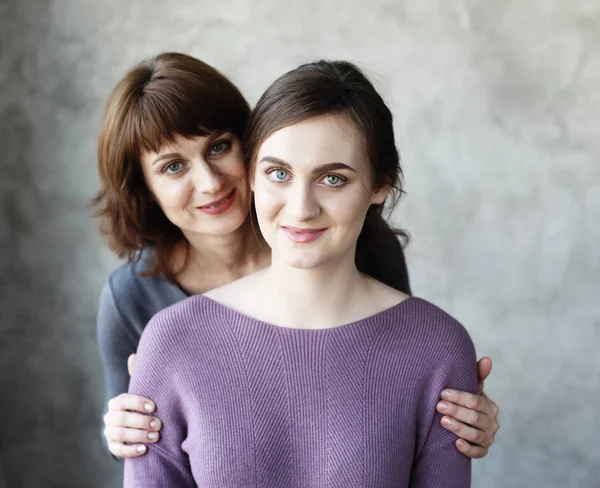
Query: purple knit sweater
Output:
(250,404)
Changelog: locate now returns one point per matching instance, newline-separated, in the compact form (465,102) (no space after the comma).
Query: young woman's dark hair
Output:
(169,95)
(340,88)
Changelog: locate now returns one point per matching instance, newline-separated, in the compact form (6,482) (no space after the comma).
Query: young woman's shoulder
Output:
(438,336)
(189,323)
(420,339)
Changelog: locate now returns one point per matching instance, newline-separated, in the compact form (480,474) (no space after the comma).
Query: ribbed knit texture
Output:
(249,404)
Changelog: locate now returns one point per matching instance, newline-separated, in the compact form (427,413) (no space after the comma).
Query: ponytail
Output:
(379,252)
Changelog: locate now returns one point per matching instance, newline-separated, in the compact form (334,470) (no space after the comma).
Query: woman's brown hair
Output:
(168,95)
(340,88)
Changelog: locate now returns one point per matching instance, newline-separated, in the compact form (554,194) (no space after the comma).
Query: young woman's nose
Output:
(302,204)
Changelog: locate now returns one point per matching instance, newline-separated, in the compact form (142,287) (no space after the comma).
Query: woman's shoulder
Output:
(432,344)
(137,297)
(130,272)
(432,326)
(190,309)
(183,323)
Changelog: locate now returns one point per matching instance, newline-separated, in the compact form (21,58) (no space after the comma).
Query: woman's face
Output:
(312,188)
(200,183)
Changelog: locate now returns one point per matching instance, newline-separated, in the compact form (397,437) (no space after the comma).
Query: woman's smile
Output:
(219,206)
(303,235)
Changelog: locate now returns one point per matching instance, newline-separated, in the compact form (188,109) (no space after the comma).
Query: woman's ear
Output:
(380,194)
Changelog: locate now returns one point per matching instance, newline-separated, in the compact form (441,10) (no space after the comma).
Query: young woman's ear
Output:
(380,194)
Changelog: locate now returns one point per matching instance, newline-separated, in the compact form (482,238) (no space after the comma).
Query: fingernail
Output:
(141,448)
(443,406)
(445,395)
(447,422)
(152,435)
(155,424)
(149,407)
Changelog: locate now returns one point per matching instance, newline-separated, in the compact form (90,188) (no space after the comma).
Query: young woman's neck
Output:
(320,297)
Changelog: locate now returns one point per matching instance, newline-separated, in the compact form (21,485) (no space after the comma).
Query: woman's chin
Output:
(303,260)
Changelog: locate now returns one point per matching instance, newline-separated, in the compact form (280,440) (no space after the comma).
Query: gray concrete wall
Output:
(497,113)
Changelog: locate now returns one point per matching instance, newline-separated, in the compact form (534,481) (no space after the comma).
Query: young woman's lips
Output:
(303,236)
(219,206)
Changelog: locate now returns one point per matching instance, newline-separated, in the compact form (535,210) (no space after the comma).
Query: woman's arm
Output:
(158,374)
(125,431)
(473,418)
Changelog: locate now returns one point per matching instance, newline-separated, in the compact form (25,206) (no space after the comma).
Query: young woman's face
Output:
(200,183)
(312,188)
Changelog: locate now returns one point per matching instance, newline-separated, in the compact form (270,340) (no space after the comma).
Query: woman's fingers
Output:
(125,401)
(126,430)
(131,420)
(484,368)
(131,436)
(125,451)
(471,434)
(130,364)
(470,450)
(470,401)
(473,418)
(126,433)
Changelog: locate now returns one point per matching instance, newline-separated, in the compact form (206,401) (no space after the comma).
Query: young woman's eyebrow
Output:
(335,166)
(324,168)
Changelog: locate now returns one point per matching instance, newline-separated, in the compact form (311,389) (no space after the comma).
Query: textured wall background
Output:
(497,109)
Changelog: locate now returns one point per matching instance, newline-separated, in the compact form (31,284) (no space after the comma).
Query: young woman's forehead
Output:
(329,137)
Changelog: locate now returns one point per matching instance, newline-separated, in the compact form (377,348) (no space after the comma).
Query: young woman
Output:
(308,372)
(174,203)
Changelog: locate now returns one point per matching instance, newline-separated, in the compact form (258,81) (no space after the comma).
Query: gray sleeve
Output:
(116,341)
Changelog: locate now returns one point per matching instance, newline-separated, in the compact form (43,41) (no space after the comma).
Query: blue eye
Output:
(173,168)
(220,147)
(334,180)
(278,175)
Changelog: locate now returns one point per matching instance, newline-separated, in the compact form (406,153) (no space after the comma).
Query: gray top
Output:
(127,303)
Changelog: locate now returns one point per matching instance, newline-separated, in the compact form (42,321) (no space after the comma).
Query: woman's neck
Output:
(212,261)
(322,297)
(325,296)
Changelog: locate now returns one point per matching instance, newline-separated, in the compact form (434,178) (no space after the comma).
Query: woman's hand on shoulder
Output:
(473,418)
(126,429)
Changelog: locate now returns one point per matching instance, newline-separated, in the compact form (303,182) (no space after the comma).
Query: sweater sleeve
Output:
(159,375)
(438,463)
